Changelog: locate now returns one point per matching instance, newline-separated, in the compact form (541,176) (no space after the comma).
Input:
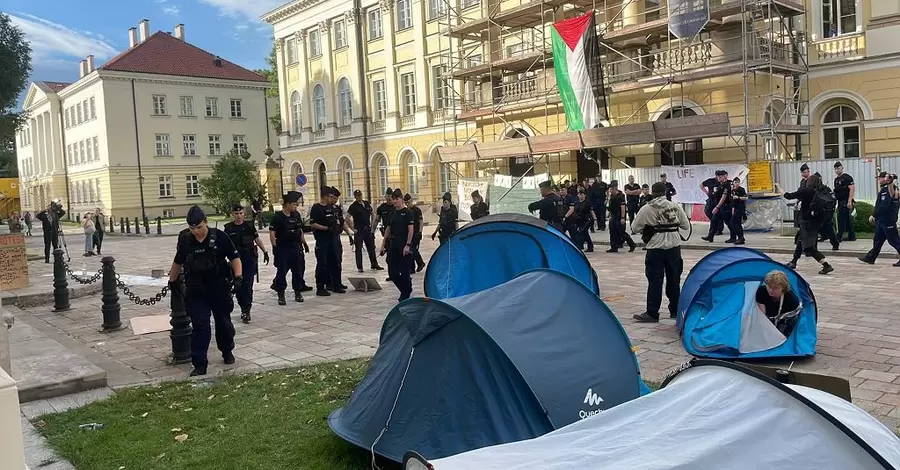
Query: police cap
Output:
(659,189)
(389,192)
(325,191)
(544,184)
(237,208)
(335,192)
(838,165)
(397,194)
(195,216)
(357,192)
(291,197)
(407,197)
(804,167)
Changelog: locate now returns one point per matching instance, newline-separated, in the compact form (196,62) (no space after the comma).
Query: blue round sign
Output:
(301,180)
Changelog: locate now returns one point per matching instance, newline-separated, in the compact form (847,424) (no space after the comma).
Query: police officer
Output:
(885,218)
(551,208)
(205,254)
(618,237)
(397,243)
(447,219)
(670,188)
(245,239)
(584,220)
(286,236)
(479,208)
(325,226)
(844,192)
(659,222)
(384,211)
(597,197)
(721,195)
(708,186)
(739,200)
(416,263)
(632,197)
(361,215)
(341,228)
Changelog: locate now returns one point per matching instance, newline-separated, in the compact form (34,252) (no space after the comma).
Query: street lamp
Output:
(280,161)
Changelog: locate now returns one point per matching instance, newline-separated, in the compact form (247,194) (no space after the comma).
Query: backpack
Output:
(823,205)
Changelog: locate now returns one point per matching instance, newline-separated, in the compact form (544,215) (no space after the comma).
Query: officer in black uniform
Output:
(597,196)
(551,208)
(618,237)
(584,220)
(416,263)
(246,239)
(670,188)
(205,254)
(324,225)
(397,243)
(342,228)
(721,196)
(447,219)
(632,197)
(739,198)
(479,208)
(384,211)
(844,192)
(885,218)
(708,186)
(286,236)
(361,213)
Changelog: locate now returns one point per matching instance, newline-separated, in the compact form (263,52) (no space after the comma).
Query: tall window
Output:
(838,17)
(408,87)
(347,174)
(404,14)
(159,106)
(187,105)
(212,107)
(436,9)
(162,145)
(189,145)
(90,150)
(412,174)
(295,113)
(319,102)
(165,186)
(340,34)
(93,108)
(81,152)
(237,108)
(291,49)
(683,152)
(840,133)
(80,117)
(442,90)
(96,143)
(240,144)
(69,154)
(22,136)
(345,101)
(374,19)
(192,185)
(446,178)
(382,174)
(379,98)
(215,144)
(315,45)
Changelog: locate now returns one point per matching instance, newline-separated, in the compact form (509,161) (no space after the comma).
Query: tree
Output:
(235,178)
(15,64)
(271,74)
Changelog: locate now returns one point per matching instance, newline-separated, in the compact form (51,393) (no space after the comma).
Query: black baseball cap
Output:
(397,194)
(195,216)
(291,197)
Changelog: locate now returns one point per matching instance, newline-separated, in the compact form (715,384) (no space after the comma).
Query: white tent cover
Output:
(708,417)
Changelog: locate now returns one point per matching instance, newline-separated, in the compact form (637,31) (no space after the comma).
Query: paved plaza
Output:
(859,329)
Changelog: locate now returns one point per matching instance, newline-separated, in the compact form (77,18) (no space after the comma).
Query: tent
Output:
(494,249)
(718,316)
(511,362)
(712,415)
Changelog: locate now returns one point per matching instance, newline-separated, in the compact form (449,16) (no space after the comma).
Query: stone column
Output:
(48,144)
(355,73)
(329,82)
(306,97)
(390,74)
(423,68)
(35,155)
(55,141)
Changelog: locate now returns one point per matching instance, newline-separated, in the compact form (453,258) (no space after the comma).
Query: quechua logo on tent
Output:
(579,74)
(592,400)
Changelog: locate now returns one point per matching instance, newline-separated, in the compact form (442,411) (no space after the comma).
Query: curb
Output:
(778,251)
(43,298)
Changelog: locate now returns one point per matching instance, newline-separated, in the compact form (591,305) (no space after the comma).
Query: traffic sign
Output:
(301,180)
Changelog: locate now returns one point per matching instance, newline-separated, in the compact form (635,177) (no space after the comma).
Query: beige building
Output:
(135,135)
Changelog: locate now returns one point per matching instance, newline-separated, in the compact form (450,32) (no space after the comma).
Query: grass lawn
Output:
(272,421)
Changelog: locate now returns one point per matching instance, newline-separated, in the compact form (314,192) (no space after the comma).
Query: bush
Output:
(861,222)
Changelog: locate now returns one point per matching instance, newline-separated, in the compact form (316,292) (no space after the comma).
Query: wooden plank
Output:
(629,134)
(502,148)
(692,127)
(457,153)
(551,143)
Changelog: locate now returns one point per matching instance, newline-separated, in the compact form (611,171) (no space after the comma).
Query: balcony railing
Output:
(522,89)
(840,48)
(379,126)
(688,57)
(439,114)
(296,139)
(344,131)
(319,135)
(408,121)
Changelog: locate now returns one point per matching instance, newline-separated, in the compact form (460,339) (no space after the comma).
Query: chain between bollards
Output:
(112,319)
(60,283)
(181,324)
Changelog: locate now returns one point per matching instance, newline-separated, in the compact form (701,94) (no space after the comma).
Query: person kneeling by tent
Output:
(781,306)
(659,222)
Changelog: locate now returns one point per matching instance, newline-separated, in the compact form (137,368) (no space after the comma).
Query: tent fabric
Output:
(718,316)
(509,363)
(494,249)
(710,416)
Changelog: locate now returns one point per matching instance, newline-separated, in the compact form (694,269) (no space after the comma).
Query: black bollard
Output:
(121,225)
(181,324)
(159,225)
(137,226)
(146,226)
(111,310)
(112,225)
(60,283)
(127,225)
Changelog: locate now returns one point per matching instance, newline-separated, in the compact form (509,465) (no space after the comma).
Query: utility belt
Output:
(651,230)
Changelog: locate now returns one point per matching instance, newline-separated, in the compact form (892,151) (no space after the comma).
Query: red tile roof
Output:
(163,54)
(54,87)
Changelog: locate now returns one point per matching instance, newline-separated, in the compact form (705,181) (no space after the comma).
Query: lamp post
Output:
(280,161)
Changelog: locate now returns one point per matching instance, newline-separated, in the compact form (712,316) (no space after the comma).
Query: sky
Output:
(62,33)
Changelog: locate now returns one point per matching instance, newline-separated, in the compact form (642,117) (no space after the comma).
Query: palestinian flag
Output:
(579,75)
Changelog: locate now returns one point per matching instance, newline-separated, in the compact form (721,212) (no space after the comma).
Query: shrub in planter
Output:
(861,221)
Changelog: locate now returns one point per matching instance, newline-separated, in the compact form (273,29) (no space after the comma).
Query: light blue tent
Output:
(504,364)
(495,249)
(717,313)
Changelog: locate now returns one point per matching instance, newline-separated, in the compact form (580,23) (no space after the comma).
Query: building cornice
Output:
(288,10)
(81,84)
(178,80)
(854,66)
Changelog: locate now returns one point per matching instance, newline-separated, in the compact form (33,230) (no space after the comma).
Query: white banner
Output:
(687,180)
(464,201)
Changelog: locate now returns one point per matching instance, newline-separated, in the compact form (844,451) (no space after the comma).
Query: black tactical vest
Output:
(202,264)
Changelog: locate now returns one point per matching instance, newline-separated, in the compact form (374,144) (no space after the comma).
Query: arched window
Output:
(346,169)
(683,152)
(840,133)
(319,101)
(290,179)
(295,113)
(411,163)
(381,164)
(345,101)
(321,180)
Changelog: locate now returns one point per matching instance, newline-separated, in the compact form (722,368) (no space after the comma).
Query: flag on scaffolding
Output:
(579,74)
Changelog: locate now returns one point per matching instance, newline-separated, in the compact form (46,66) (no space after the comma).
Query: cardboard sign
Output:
(13,262)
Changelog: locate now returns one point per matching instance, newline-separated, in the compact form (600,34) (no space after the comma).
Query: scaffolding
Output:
(739,85)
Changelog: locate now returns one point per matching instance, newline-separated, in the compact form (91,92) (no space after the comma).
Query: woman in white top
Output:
(87,222)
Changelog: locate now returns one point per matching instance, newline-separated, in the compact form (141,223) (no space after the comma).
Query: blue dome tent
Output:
(496,248)
(511,362)
(717,313)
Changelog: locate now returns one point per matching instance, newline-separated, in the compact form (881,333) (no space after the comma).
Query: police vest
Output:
(561,210)
(242,238)
(292,228)
(202,263)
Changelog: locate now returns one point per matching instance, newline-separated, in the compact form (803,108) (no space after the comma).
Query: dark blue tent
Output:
(717,313)
(495,249)
(509,363)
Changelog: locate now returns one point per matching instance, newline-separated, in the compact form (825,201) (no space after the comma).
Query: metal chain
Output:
(83,280)
(137,300)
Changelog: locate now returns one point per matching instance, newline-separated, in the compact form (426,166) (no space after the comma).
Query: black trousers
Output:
(98,240)
(287,258)
(600,211)
(365,236)
(51,239)
(717,223)
(415,258)
(338,258)
(845,222)
(200,306)
(884,232)
(398,270)
(249,269)
(617,234)
(827,231)
(584,236)
(632,209)
(327,273)
(659,266)
(736,224)
(812,251)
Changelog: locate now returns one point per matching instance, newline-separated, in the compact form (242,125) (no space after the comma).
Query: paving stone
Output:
(875,375)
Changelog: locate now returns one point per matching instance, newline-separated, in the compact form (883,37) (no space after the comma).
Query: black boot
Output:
(198,371)
(245,315)
(281,300)
(228,357)
(322,292)
(826,268)
(298,297)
